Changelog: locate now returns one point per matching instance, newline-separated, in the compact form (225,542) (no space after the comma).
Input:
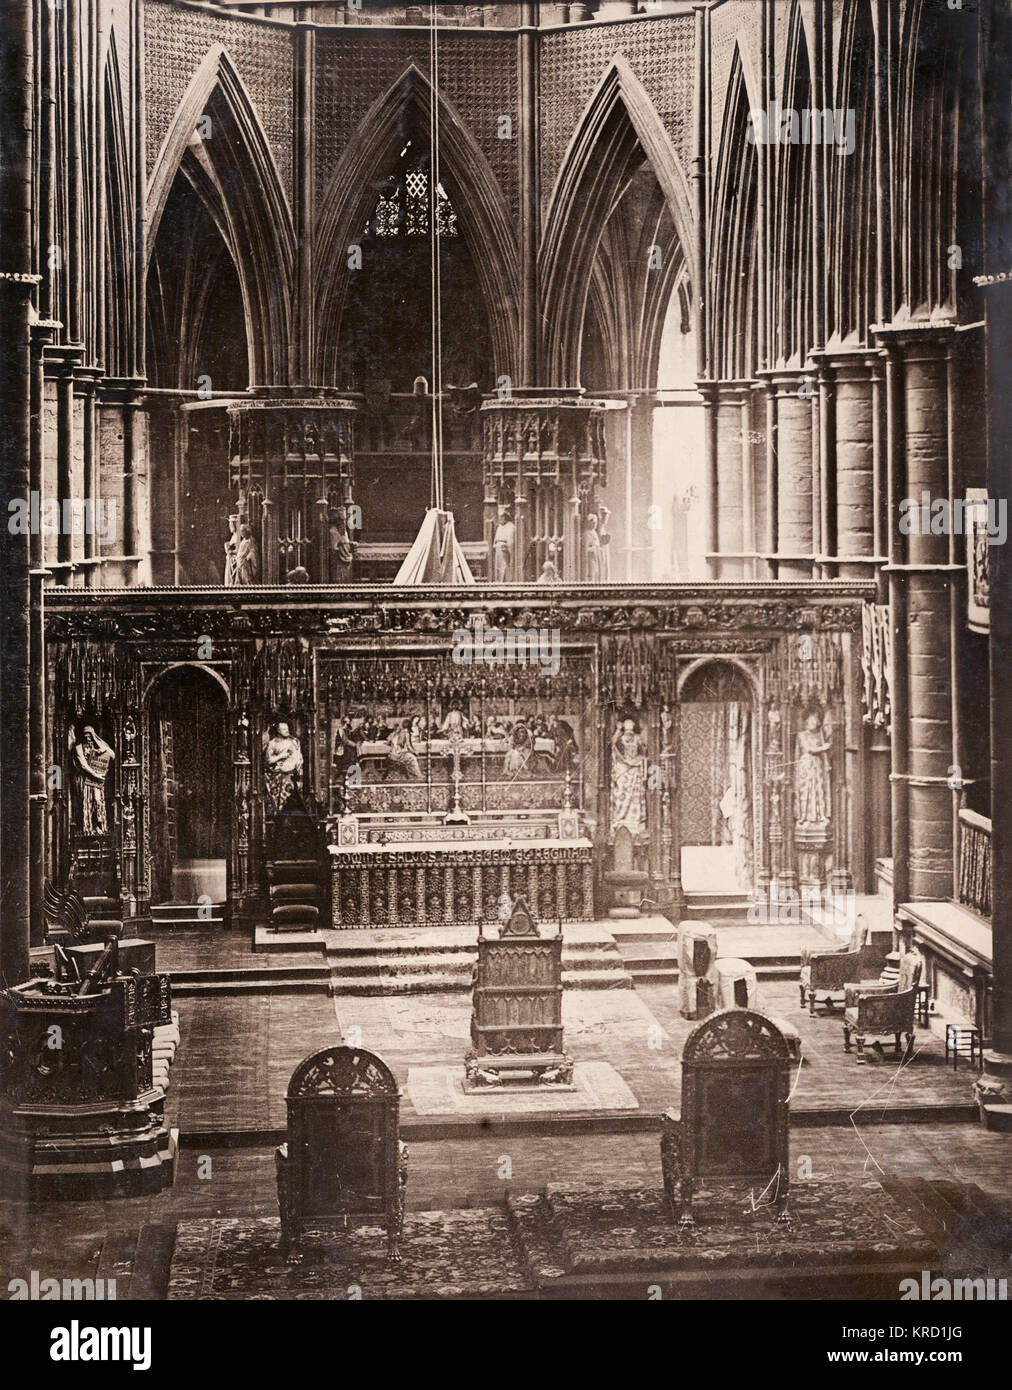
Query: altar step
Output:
(726,908)
(649,947)
(662,967)
(435,962)
(188,914)
(264,979)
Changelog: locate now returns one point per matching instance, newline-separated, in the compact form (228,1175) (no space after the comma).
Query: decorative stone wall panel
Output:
(478,76)
(660,52)
(175,43)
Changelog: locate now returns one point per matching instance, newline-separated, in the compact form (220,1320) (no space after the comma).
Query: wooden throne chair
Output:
(343,1156)
(736,1070)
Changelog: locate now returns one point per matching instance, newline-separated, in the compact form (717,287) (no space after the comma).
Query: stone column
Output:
(640,443)
(923,574)
(994,1090)
(304,139)
(528,153)
(727,472)
(853,467)
(41,334)
(708,391)
(795,502)
(17,289)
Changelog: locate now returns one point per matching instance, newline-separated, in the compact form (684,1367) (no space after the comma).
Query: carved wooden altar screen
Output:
(735,1111)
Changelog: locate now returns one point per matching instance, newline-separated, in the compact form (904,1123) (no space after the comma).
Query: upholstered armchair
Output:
(880,1010)
(829,972)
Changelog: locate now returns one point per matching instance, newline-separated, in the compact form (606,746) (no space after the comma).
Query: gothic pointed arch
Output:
(118,268)
(733,268)
(619,130)
(243,193)
(930,127)
(791,322)
(474,192)
(851,249)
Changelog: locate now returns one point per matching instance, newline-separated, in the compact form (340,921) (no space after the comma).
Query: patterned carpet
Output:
(570,1230)
(541,1240)
(447,1254)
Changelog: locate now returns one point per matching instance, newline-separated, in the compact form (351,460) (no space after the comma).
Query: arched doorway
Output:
(717,779)
(191,794)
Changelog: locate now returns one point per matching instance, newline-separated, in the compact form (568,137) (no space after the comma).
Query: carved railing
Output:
(975,862)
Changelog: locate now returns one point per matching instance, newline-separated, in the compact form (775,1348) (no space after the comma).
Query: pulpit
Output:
(516,1020)
(81,1091)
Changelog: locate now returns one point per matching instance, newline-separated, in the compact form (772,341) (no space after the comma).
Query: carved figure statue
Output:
(592,546)
(628,780)
(811,777)
(247,557)
(549,574)
(341,545)
(604,554)
(520,750)
(282,764)
(230,548)
(92,759)
(503,547)
(402,757)
(453,725)
(667,728)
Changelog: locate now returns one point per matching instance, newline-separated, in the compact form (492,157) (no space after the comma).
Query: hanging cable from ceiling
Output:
(436,277)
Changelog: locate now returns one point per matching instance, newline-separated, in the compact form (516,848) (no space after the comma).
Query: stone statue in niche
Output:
(503,547)
(341,545)
(812,774)
(247,557)
(667,728)
(92,760)
(230,548)
(282,765)
(592,546)
(604,554)
(628,780)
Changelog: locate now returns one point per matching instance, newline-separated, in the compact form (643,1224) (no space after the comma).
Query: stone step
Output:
(253,972)
(222,988)
(188,914)
(278,979)
(725,909)
(444,983)
(583,967)
(972,1229)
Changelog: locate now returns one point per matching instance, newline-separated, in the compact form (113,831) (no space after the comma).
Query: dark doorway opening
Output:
(190,787)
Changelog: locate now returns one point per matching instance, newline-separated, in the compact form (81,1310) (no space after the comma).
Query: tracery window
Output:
(403,205)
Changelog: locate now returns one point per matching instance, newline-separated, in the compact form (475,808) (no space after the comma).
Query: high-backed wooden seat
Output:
(733,1124)
(343,1155)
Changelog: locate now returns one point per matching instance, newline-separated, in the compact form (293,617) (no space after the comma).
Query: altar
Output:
(419,873)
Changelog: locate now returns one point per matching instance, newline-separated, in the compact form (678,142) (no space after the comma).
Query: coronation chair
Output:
(878,1009)
(829,972)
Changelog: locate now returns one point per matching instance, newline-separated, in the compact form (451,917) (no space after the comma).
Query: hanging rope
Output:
(436,282)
